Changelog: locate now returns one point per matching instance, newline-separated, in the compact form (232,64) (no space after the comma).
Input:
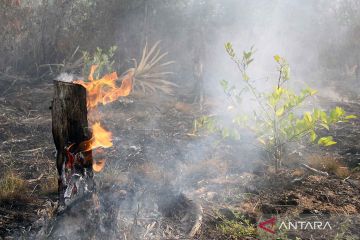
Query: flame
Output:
(101,137)
(106,90)
(98,165)
(103,91)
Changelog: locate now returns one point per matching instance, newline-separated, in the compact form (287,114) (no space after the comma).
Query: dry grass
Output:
(11,185)
(329,164)
(50,184)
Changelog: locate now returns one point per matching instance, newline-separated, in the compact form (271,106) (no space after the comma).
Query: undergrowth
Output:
(11,185)
(277,116)
(236,228)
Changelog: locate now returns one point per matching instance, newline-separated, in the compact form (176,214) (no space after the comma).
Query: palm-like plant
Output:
(148,74)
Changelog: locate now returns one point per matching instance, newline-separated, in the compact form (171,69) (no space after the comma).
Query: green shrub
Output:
(275,120)
(104,60)
(236,228)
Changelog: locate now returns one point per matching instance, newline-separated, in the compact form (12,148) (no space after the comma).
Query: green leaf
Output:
(350,117)
(245,77)
(230,50)
(308,118)
(336,113)
(247,55)
(313,136)
(224,84)
(339,111)
(280,111)
(316,114)
(313,91)
(325,126)
(326,141)
(278,92)
(277,58)
(324,117)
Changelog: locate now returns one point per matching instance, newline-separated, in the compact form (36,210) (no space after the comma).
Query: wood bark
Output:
(69,122)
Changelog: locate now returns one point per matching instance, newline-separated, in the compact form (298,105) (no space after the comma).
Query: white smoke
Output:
(65,77)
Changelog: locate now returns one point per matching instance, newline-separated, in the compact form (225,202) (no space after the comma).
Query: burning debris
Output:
(98,92)
(130,211)
(134,165)
(105,90)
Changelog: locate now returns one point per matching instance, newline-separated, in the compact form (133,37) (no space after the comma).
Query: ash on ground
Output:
(128,211)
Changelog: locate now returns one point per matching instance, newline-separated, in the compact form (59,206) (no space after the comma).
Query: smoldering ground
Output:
(154,148)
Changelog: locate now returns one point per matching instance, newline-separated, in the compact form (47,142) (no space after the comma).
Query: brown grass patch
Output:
(50,184)
(11,185)
(329,164)
(298,173)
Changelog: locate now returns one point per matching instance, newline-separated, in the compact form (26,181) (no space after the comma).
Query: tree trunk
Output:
(69,125)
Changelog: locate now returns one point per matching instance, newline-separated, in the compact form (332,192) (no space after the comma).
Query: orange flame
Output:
(103,91)
(98,165)
(100,138)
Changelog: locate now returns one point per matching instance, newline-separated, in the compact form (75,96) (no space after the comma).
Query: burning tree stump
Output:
(70,130)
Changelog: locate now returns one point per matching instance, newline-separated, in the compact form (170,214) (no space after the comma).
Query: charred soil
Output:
(154,147)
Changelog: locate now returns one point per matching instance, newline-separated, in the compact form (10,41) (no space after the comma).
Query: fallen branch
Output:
(311,169)
(307,167)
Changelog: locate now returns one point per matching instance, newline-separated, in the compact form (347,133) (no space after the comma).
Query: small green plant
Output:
(276,119)
(104,60)
(236,228)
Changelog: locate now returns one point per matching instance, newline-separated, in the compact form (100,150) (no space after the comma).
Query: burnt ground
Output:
(154,144)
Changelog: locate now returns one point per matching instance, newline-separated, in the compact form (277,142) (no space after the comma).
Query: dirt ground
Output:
(153,142)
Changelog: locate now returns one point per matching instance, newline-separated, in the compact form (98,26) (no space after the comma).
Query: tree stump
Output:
(69,129)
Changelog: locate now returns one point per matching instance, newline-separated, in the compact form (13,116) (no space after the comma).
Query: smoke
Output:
(308,34)
(151,141)
(65,77)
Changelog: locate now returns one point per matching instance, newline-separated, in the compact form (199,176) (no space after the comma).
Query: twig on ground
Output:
(314,170)
(31,150)
(33,190)
(36,179)
(149,227)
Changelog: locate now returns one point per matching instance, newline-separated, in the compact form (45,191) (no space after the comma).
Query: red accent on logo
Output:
(267,222)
